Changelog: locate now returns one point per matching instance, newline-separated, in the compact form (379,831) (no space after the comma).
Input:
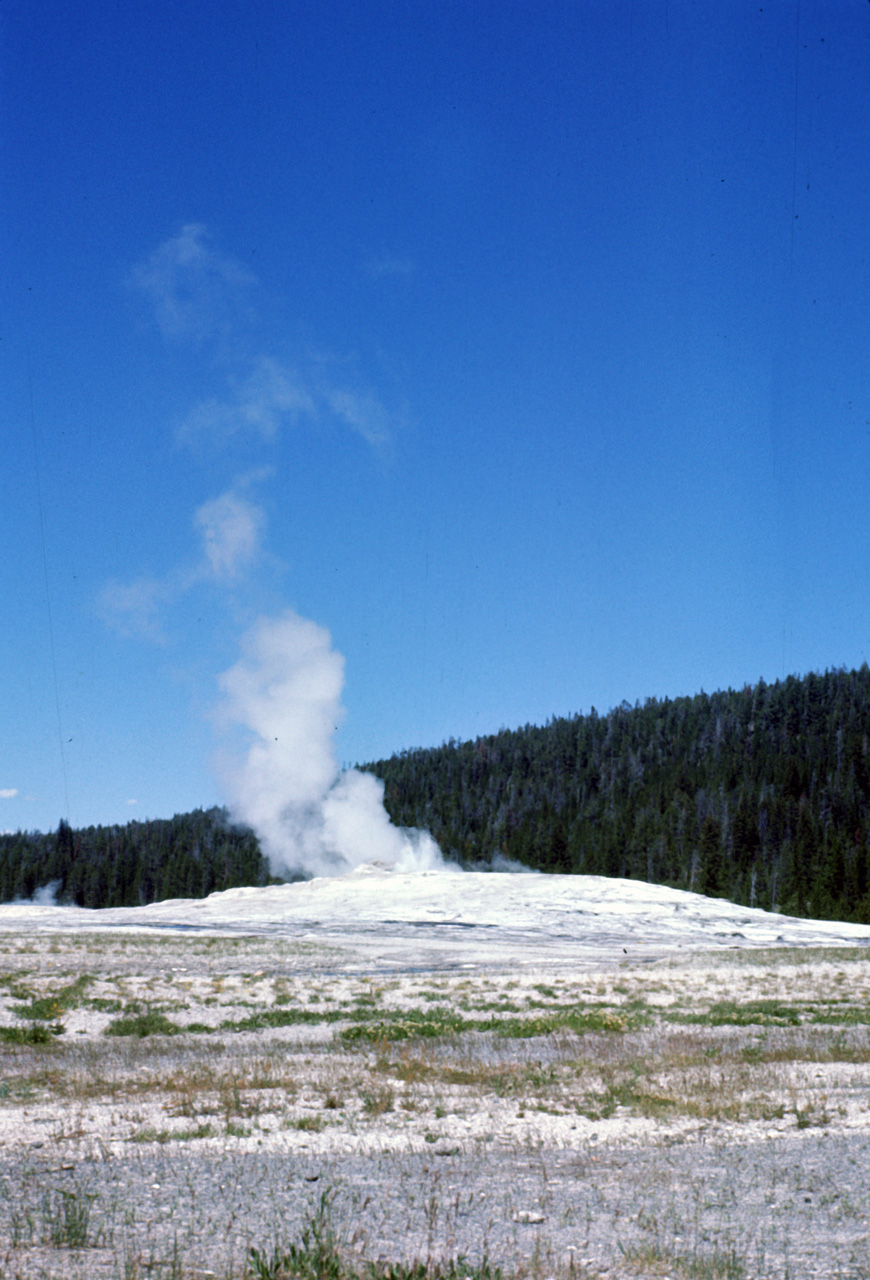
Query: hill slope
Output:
(760,795)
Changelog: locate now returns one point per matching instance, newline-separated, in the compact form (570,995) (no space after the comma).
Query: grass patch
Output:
(163,1136)
(660,1260)
(580,1021)
(44,1009)
(377,1102)
(142,1025)
(319,1256)
(309,1124)
(410,1024)
(731,1013)
(67,1219)
(265,1019)
(35,1035)
(850,1016)
(441,1021)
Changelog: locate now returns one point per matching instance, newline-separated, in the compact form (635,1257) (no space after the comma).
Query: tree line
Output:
(188,856)
(759,795)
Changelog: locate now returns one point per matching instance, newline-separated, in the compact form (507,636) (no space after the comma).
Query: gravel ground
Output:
(796,1207)
(711,1120)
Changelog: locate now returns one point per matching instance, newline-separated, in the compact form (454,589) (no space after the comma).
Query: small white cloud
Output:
(364,413)
(192,287)
(132,802)
(8,793)
(230,527)
(271,395)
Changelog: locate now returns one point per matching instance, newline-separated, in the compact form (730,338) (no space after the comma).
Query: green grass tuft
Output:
(34,1035)
(144,1024)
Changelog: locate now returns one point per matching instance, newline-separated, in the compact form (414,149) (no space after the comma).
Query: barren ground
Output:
(169,1100)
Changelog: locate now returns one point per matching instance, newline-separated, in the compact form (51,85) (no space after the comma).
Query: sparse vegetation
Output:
(151,1023)
(34,1035)
(574,1066)
(319,1256)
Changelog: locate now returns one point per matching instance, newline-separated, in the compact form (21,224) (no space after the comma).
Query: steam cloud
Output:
(285,691)
(283,696)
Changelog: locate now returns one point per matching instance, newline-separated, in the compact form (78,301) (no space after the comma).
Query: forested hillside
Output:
(188,856)
(758,795)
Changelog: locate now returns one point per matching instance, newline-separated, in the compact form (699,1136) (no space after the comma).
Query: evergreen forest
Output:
(758,795)
(188,856)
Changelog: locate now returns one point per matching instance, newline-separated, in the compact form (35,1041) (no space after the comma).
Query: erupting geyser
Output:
(310,816)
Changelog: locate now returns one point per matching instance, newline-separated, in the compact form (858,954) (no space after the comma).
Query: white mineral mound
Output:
(462,915)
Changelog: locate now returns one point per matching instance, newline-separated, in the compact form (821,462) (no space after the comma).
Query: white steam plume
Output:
(310,817)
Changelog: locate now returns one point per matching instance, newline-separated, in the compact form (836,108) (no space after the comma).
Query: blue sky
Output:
(523,347)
